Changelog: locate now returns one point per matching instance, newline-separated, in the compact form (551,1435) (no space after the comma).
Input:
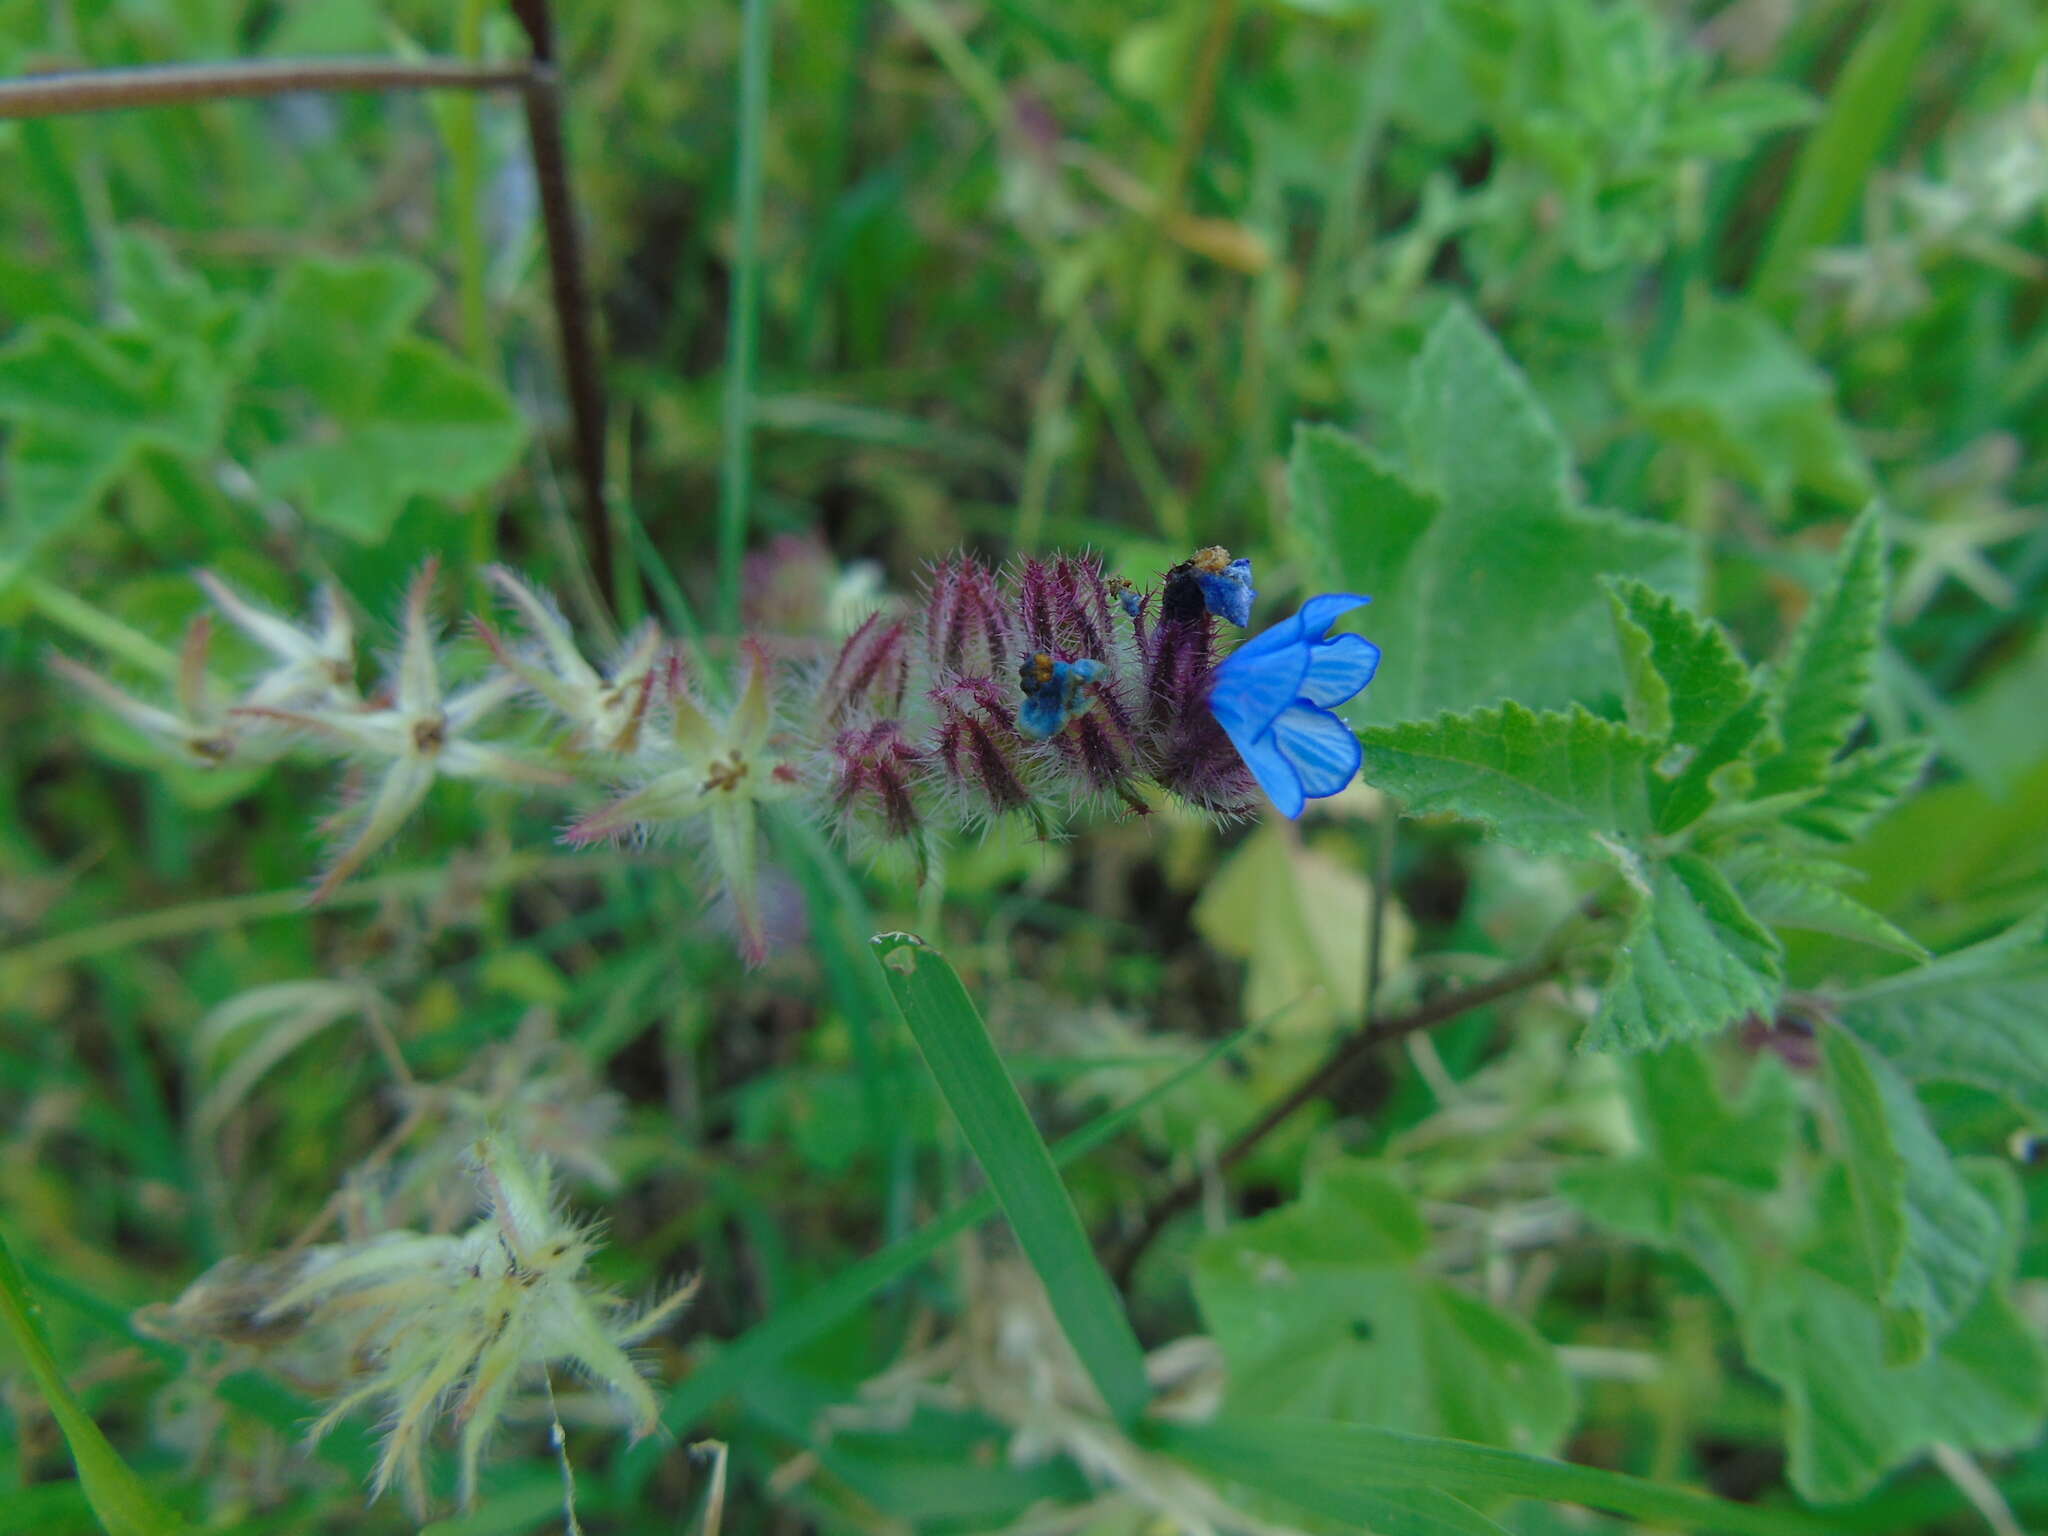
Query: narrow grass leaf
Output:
(117,1496)
(1285,1456)
(1020,1169)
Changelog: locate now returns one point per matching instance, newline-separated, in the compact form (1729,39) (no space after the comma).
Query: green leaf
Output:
(1294,916)
(1270,1453)
(332,325)
(1566,784)
(1806,893)
(1692,962)
(432,426)
(1850,1415)
(1824,682)
(1931,1240)
(1481,564)
(1686,685)
(1861,788)
(1975,1016)
(1869,98)
(1021,1171)
(84,407)
(1379,1511)
(117,1495)
(1705,1160)
(1736,387)
(1321,1308)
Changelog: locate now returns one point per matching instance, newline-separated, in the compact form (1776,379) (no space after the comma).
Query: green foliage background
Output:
(1673,375)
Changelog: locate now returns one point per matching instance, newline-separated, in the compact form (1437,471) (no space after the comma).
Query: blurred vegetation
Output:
(1033,275)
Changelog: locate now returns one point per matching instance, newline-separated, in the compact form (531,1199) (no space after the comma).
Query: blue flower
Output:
(1227,589)
(1273,696)
(1055,692)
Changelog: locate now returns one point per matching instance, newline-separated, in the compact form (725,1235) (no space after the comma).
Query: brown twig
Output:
(106,90)
(582,381)
(1334,1068)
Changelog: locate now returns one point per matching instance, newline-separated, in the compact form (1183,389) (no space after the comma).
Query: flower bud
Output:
(869,677)
(966,628)
(1064,606)
(874,773)
(976,748)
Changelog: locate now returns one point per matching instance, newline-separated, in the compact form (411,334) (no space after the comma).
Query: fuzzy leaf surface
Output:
(1931,1239)
(1694,960)
(1559,783)
(1824,683)
(1482,566)
(1977,1016)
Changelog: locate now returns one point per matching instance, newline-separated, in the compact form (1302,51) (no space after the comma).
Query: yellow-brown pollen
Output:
(726,775)
(1214,560)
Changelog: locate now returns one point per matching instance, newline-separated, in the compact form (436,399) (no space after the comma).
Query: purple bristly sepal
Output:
(967,628)
(869,676)
(875,771)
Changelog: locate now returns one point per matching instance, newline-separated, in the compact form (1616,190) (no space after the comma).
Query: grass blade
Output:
(116,1494)
(796,1325)
(736,472)
(970,1074)
(1286,1457)
(1866,104)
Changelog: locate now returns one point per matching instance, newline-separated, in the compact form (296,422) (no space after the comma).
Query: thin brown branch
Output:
(1335,1067)
(107,90)
(582,381)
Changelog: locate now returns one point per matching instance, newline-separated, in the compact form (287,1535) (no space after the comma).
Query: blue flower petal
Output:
(1321,748)
(1275,774)
(1271,697)
(1253,684)
(1228,593)
(1339,669)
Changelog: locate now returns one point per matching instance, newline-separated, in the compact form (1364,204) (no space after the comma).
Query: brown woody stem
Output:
(1335,1067)
(106,90)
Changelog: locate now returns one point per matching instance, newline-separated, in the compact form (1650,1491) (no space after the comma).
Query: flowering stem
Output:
(736,477)
(1334,1068)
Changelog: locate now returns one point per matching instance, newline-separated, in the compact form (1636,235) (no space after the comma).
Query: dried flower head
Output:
(421,733)
(603,712)
(714,772)
(445,1324)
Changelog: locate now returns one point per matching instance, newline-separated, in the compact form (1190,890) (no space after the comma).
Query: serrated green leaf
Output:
(1861,788)
(1686,679)
(1562,783)
(1481,564)
(1932,1241)
(1977,1016)
(1850,1416)
(433,427)
(1692,962)
(1807,893)
(1738,388)
(1823,685)
(1320,1309)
